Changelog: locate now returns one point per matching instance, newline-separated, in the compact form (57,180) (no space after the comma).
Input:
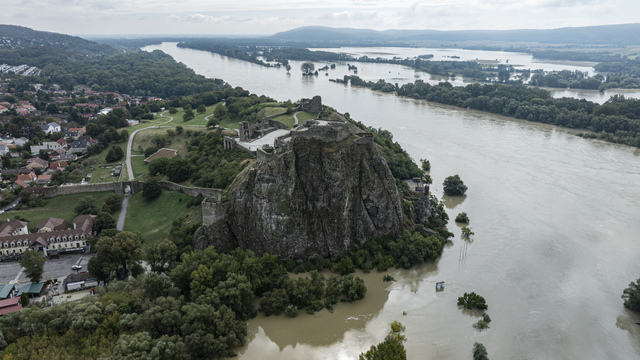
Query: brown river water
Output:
(555,216)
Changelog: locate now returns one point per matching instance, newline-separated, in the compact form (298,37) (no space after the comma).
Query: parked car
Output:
(76,267)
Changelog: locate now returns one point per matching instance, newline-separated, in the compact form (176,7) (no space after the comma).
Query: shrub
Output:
(481,325)
(387,278)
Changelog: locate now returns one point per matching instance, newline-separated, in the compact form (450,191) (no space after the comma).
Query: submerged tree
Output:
(453,186)
(631,296)
(307,68)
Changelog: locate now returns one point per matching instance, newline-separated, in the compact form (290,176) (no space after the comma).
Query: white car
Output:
(76,267)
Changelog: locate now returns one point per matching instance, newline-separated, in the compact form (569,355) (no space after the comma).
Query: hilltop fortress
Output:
(319,190)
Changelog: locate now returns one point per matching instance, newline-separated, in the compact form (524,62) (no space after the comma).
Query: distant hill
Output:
(614,35)
(14,37)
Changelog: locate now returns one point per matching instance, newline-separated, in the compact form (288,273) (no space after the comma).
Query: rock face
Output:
(325,191)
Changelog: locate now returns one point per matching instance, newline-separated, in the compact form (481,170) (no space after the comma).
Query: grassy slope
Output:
(197,120)
(59,207)
(153,219)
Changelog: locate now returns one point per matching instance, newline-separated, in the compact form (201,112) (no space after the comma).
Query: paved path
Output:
(123,212)
(125,201)
(295,116)
(130,144)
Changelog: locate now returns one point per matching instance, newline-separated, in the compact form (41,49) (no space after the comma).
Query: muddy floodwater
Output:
(555,216)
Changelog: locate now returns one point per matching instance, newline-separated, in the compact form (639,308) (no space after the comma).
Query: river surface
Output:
(556,237)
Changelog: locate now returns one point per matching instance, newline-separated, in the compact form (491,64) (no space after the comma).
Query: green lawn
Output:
(290,121)
(59,207)
(138,166)
(270,111)
(199,119)
(152,220)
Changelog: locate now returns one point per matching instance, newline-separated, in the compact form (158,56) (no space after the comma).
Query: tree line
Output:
(617,120)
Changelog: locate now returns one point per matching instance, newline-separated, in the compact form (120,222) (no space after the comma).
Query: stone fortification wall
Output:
(51,191)
(213,211)
(134,186)
(214,194)
(311,105)
(327,131)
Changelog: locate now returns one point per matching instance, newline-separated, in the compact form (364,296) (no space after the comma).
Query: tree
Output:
(453,186)
(472,301)
(86,206)
(172,110)
(201,109)
(33,264)
(503,76)
(151,189)
(162,256)
(188,115)
(480,352)
(392,348)
(220,111)
(462,218)
(631,296)
(288,67)
(466,232)
(104,221)
(307,68)
(353,288)
(24,299)
(116,255)
(114,201)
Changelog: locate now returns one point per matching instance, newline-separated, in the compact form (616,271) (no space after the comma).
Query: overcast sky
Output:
(266,17)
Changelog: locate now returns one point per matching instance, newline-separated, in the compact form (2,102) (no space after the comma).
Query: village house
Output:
(54,235)
(51,128)
(37,163)
(47,146)
(75,133)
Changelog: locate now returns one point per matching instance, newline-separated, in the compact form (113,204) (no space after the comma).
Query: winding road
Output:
(130,144)
(125,201)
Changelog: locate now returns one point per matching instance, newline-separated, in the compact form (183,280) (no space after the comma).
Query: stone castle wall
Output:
(213,211)
(135,186)
(192,191)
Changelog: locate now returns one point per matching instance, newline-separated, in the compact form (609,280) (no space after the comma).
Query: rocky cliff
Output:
(326,190)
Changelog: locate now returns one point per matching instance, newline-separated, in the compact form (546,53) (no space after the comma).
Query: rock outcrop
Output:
(327,190)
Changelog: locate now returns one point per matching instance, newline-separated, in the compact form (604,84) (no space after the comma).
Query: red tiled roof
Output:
(10,305)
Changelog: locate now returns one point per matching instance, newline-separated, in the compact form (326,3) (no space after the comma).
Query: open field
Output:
(60,207)
(152,219)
